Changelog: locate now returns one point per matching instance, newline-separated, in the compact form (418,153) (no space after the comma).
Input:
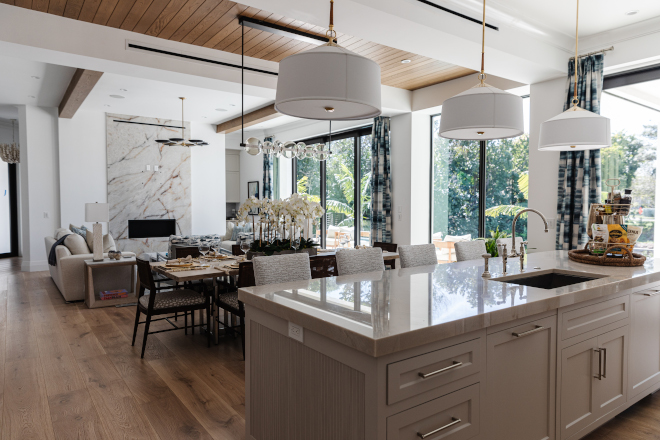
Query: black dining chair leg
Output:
(243,335)
(208,325)
(146,333)
(185,322)
(137,321)
(192,321)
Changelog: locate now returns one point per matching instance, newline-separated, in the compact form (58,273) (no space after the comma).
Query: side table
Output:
(92,299)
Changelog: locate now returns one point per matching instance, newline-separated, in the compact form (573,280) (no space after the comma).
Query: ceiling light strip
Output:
(191,57)
(282,30)
(458,14)
(145,123)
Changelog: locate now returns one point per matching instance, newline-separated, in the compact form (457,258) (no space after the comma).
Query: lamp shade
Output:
(482,113)
(575,129)
(328,83)
(96,212)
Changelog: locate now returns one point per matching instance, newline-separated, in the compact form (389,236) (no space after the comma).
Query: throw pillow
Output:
(76,244)
(108,242)
(82,230)
(61,233)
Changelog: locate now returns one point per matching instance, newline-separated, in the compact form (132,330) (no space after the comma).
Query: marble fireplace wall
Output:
(135,193)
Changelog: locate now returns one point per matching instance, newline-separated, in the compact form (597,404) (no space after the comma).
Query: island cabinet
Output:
(521,381)
(592,364)
(644,359)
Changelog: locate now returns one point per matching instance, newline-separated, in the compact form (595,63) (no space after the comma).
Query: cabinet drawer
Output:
(579,321)
(451,417)
(404,378)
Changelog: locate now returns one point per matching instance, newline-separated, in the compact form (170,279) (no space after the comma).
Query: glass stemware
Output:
(245,246)
(295,244)
(204,249)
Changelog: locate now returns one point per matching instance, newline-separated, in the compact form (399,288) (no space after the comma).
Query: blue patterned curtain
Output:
(579,172)
(381,182)
(268,173)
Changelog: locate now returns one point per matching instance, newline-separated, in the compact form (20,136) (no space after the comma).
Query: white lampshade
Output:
(328,83)
(575,129)
(494,113)
(96,212)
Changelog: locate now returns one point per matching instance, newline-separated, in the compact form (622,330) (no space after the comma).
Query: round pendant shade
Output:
(328,83)
(482,113)
(575,129)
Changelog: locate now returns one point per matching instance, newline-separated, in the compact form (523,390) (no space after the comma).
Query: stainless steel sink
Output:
(549,279)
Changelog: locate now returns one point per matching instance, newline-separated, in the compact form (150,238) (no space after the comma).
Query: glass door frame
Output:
(12,171)
(356,134)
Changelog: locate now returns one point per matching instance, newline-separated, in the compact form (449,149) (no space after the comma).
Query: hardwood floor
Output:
(68,372)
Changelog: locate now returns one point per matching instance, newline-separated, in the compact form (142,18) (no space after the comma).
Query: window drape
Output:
(381,182)
(268,173)
(579,171)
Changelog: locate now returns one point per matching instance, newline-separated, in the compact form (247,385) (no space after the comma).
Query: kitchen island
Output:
(439,352)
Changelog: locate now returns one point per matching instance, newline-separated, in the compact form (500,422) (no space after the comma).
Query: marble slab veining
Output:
(385,312)
(135,193)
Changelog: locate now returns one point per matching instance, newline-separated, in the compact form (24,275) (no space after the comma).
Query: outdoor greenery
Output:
(456,184)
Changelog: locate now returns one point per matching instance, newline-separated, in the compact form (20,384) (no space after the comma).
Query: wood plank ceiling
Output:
(214,24)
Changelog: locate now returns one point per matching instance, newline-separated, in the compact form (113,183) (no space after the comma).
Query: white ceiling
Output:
(157,99)
(18,85)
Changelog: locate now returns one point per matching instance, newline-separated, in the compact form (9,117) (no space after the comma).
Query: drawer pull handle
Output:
(428,434)
(529,332)
(600,363)
(657,292)
(604,350)
(442,370)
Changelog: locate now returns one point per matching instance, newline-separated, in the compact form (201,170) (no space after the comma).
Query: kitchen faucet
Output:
(513,253)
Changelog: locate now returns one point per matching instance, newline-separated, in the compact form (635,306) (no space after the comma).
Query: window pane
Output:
(276,178)
(308,181)
(634,113)
(507,173)
(455,188)
(5,215)
(340,186)
(365,188)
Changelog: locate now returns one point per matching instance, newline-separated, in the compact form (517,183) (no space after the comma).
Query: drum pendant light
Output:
(483,112)
(329,83)
(576,128)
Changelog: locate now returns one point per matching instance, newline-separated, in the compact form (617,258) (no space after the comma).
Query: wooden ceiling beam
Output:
(81,85)
(252,118)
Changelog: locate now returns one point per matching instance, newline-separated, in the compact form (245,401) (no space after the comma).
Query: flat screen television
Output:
(151,228)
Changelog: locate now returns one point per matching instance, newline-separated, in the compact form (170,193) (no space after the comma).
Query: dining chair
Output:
(351,261)
(469,250)
(236,250)
(184,251)
(159,302)
(418,255)
(323,266)
(387,247)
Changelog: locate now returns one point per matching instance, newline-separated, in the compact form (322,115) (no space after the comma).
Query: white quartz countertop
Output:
(385,312)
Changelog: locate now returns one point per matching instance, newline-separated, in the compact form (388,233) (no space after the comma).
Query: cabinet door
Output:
(644,360)
(611,389)
(233,187)
(521,382)
(579,365)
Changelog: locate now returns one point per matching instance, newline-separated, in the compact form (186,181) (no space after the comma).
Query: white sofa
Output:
(69,274)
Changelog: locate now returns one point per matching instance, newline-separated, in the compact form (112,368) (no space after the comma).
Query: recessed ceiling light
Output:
(123,90)
(632,12)
(31,96)
(36,77)
(405,61)
(232,105)
(106,105)
(204,117)
(117,96)
(220,109)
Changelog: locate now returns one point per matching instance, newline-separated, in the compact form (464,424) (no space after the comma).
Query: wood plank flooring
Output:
(68,372)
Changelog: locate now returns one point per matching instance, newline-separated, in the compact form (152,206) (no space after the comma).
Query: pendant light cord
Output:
(183,124)
(242,83)
(482,75)
(331,33)
(577,20)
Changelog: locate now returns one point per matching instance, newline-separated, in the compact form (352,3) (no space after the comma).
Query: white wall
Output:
(83,166)
(252,168)
(546,101)
(208,181)
(39,183)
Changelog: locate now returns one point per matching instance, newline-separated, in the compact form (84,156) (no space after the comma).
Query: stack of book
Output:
(113,294)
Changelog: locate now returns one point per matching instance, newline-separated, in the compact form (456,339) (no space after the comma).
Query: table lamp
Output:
(97,212)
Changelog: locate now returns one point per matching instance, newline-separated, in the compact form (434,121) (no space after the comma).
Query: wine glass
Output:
(245,246)
(344,240)
(295,244)
(204,249)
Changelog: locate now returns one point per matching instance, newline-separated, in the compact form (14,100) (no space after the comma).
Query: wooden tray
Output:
(583,256)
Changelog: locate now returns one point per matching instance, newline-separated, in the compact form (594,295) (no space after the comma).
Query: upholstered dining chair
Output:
(418,255)
(159,302)
(352,261)
(261,271)
(387,247)
(470,250)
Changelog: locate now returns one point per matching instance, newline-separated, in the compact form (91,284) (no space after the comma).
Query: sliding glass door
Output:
(345,179)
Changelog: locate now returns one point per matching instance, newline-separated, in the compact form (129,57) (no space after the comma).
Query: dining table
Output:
(225,267)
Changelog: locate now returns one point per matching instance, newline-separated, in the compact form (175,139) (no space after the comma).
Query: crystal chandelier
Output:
(181,142)
(286,150)
(11,153)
